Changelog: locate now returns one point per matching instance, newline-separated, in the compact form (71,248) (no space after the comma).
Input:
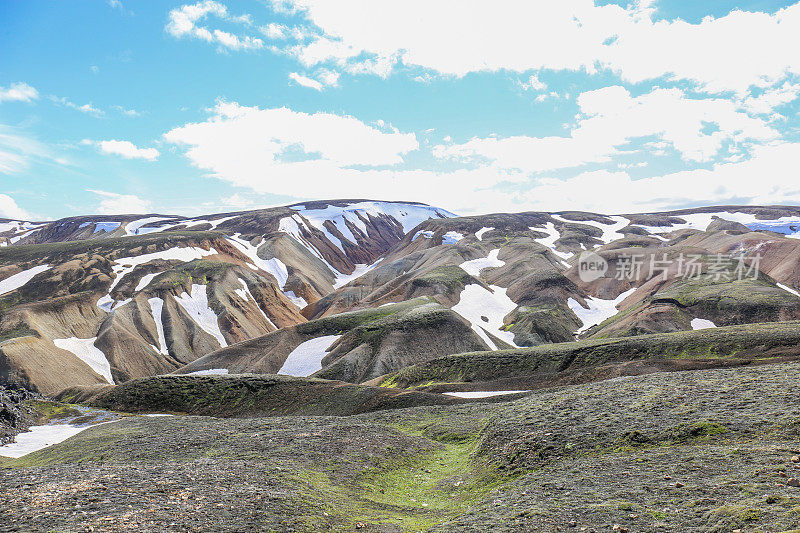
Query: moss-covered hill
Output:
(589,360)
(701,451)
(247,395)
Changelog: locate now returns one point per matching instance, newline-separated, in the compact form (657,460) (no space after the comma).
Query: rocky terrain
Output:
(707,451)
(15,414)
(390,366)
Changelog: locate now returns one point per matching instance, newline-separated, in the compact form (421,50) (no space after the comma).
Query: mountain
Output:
(102,299)
(356,290)
(383,366)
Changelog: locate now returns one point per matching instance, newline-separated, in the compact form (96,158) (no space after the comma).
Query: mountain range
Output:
(390,366)
(358,290)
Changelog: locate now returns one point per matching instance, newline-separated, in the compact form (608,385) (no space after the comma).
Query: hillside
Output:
(385,366)
(701,451)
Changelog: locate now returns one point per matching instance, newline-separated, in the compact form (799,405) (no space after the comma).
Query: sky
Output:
(124,106)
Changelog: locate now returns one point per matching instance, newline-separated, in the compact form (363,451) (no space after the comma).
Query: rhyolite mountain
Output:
(435,372)
(358,290)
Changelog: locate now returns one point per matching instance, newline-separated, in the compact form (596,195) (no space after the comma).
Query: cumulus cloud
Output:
(185,21)
(18,92)
(10,209)
(125,149)
(610,118)
(280,151)
(767,177)
(112,203)
(457,37)
(258,147)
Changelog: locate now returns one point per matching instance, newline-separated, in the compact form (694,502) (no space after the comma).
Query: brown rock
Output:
(793,482)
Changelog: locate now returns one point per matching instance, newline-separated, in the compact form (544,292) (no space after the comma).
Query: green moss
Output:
(342,322)
(48,411)
(756,340)
(17,254)
(433,487)
(20,331)
(449,278)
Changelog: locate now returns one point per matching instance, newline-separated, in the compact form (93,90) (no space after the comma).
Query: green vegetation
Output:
(343,322)
(450,278)
(31,252)
(751,340)
(20,331)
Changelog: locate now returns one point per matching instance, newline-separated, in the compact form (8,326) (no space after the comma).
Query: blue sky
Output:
(212,106)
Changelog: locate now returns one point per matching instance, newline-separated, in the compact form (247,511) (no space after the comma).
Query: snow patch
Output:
(483,394)
(18,280)
(610,231)
(788,289)
(485,311)
(422,233)
(125,265)
(789,225)
(40,437)
(408,215)
(480,232)
(245,294)
(360,270)
(87,352)
(299,301)
(108,227)
(451,237)
(598,311)
(135,227)
(550,241)
(157,308)
(273,266)
(146,279)
(702,323)
(474,266)
(307,357)
(196,305)
(209,372)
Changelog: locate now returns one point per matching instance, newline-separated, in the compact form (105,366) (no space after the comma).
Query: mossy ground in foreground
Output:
(702,451)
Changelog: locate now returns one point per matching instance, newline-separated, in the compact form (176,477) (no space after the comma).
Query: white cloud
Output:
(768,177)
(306,81)
(772,98)
(533,84)
(17,150)
(112,203)
(280,151)
(89,109)
(275,31)
(328,77)
(128,112)
(456,37)
(125,149)
(18,92)
(610,118)
(254,145)
(10,209)
(183,22)
(116,4)
(237,201)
